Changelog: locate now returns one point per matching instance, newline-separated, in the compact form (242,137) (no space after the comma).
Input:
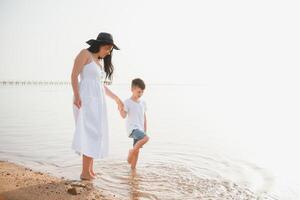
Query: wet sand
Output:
(21,183)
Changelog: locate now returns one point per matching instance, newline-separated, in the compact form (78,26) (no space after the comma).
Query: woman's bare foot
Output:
(130,154)
(86,177)
(93,174)
(133,167)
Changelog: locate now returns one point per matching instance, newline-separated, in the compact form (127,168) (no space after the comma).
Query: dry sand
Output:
(20,183)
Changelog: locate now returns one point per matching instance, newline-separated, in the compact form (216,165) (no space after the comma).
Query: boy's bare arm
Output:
(145,123)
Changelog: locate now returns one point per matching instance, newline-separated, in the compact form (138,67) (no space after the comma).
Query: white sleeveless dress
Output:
(91,125)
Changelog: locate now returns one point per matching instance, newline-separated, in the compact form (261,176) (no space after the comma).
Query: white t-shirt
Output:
(135,114)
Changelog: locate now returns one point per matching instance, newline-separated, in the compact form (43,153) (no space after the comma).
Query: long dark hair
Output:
(108,66)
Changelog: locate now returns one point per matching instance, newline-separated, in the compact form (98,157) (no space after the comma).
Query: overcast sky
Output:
(203,42)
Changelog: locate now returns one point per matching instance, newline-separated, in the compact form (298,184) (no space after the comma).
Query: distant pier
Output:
(35,82)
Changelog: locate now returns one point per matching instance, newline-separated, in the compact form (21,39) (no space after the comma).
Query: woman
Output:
(91,127)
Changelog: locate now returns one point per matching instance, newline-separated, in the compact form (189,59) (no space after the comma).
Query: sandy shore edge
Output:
(21,183)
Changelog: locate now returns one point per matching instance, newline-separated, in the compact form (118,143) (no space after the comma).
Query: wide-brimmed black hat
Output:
(104,38)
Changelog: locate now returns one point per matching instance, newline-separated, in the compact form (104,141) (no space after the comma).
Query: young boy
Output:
(136,123)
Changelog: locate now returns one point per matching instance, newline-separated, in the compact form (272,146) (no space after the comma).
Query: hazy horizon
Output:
(210,43)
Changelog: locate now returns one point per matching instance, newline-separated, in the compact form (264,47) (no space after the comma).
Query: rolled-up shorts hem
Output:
(137,135)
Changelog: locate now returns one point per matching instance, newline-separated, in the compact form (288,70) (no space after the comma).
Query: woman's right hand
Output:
(77,102)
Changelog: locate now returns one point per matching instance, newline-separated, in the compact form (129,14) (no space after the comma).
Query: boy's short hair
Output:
(138,83)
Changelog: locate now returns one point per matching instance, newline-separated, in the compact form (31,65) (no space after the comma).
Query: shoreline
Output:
(21,183)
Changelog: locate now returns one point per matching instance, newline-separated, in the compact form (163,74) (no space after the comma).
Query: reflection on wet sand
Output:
(133,183)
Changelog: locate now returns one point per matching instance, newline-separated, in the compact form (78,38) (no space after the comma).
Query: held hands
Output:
(120,104)
(121,109)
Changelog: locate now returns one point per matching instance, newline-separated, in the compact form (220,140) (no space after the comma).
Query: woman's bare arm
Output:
(80,60)
(145,123)
(109,93)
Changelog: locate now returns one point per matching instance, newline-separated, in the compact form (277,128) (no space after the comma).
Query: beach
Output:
(21,183)
(221,94)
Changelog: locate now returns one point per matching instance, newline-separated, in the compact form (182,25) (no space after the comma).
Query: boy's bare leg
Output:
(86,162)
(136,147)
(129,158)
(135,157)
(134,153)
(140,143)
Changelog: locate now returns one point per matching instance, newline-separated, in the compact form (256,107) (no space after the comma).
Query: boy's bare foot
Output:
(130,154)
(86,177)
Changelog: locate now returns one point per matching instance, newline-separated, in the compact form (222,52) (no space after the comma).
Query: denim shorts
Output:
(137,135)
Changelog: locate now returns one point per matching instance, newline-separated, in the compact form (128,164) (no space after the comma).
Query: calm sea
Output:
(206,142)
